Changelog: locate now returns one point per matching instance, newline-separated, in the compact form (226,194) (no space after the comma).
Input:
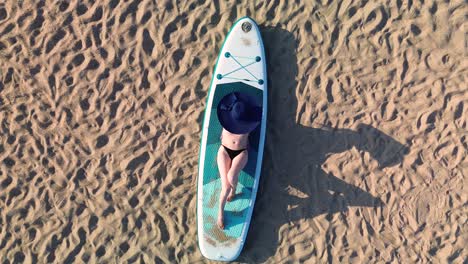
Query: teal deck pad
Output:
(236,210)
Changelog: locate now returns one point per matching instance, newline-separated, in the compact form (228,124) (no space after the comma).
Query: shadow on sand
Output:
(294,155)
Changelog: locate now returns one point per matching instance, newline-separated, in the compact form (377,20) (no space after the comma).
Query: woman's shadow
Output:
(293,185)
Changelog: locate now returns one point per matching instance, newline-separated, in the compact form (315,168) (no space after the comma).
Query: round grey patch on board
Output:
(246,27)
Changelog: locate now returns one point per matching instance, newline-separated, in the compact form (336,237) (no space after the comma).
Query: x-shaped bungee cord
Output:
(256,59)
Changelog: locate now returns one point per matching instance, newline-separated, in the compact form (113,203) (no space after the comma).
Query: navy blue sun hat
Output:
(239,113)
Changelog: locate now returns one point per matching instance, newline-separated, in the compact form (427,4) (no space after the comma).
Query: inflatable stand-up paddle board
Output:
(241,67)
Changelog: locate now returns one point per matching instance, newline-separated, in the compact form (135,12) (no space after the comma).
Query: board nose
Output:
(249,35)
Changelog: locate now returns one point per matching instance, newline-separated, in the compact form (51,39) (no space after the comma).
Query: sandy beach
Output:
(101,107)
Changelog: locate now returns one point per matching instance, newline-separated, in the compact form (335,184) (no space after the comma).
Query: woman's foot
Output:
(220,221)
(231,196)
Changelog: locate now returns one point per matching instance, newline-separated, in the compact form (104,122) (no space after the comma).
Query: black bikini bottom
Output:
(233,153)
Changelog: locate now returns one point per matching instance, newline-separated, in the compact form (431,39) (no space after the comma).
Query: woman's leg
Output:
(224,164)
(238,163)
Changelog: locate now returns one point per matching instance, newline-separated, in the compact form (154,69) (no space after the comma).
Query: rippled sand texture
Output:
(101,104)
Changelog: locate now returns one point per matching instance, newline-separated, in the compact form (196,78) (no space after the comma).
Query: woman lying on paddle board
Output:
(238,115)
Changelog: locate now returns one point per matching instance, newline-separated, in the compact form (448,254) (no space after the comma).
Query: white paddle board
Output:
(240,67)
